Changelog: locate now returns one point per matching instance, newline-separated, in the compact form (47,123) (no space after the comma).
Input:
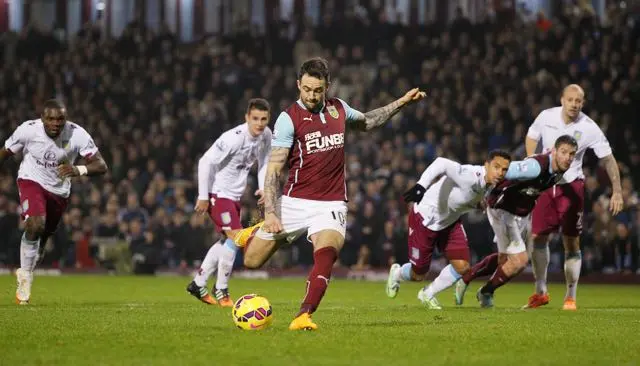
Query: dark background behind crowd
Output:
(154,106)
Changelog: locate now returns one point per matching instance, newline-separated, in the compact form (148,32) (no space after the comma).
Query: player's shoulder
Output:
(587,121)
(72,126)
(233,136)
(551,114)
(31,124)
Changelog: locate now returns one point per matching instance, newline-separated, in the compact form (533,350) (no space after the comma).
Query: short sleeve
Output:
(15,143)
(523,170)
(600,144)
(86,147)
(535,130)
(352,114)
(283,132)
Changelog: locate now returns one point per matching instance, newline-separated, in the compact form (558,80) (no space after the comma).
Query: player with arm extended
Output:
(309,139)
(222,178)
(562,205)
(446,191)
(509,206)
(50,146)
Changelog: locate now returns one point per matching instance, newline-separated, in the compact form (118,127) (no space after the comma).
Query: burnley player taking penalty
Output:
(509,206)
(309,138)
(50,146)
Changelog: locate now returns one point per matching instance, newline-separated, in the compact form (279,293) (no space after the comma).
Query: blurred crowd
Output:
(154,106)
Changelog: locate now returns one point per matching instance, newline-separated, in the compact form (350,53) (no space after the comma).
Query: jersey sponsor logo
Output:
(50,156)
(333,112)
(316,143)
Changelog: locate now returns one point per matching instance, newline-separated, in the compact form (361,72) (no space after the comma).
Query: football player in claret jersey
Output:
(562,206)
(222,177)
(309,140)
(50,147)
(509,206)
(445,191)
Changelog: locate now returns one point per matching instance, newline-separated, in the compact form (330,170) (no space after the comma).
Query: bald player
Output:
(561,206)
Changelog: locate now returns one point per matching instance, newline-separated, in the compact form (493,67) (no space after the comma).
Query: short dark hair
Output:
(53,104)
(497,153)
(316,67)
(259,104)
(566,140)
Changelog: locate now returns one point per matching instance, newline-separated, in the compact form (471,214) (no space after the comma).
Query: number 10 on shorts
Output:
(340,217)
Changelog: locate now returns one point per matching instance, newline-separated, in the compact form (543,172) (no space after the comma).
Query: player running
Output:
(446,191)
(563,204)
(309,140)
(50,146)
(509,206)
(222,178)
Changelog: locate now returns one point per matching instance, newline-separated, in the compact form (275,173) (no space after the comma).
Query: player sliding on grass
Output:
(50,147)
(446,191)
(222,178)
(309,140)
(509,206)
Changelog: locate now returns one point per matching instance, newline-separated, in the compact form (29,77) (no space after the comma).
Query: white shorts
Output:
(511,230)
(299,216)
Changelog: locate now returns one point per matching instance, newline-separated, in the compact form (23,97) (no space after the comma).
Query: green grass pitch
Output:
(101,320)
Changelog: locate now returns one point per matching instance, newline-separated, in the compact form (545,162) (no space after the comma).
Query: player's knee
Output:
(519,260)
(252,261)
(461,266)
(418,277)
(34,227)
(539,240)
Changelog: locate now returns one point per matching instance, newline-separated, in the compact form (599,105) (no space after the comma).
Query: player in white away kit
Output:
(50,146)
(446,191)
(222,178)
(563,204)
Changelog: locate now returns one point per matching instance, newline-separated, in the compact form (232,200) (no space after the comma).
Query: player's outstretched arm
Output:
(611,165)
(437,169)
(380,116)
(95,166)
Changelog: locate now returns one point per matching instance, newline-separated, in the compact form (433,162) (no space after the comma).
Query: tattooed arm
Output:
(272,189)
(380,116)
(611,165)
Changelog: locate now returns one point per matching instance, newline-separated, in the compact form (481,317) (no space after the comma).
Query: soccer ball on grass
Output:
(252,312)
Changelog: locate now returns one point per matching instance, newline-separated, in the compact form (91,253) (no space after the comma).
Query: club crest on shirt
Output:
(577,135)
(333,112)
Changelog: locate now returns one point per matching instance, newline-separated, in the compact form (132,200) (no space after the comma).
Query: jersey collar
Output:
(306,109)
